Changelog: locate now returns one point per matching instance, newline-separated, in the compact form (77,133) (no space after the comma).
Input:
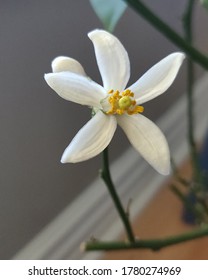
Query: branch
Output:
(153,244)
(106,176)
(166,30)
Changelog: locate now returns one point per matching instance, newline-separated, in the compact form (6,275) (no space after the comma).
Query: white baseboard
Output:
(93,214)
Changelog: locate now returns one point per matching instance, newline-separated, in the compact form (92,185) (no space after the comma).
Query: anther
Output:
(123,102)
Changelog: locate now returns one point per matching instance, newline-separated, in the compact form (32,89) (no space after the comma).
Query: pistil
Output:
(123,102)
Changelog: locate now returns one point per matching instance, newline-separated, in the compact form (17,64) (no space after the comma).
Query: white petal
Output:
(91,140)
(158,78)
(112,60)
(64,63)
(76,88)
(148,140)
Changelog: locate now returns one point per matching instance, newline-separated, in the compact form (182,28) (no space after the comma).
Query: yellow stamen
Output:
(122,103)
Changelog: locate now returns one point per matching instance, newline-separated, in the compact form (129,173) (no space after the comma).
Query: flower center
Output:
(123,102)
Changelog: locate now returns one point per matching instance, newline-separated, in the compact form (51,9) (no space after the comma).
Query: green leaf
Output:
(109,11)
(205,3)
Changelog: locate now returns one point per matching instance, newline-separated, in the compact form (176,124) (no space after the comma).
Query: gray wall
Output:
(36,125)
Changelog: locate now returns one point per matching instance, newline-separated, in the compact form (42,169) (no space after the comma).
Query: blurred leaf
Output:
(205,3)
(109,11)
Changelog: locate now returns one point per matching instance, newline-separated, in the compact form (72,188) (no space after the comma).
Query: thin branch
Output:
(153,244)
(187,24)
(166,30)
(106,176)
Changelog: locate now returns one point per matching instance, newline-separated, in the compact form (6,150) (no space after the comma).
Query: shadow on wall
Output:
(36,125)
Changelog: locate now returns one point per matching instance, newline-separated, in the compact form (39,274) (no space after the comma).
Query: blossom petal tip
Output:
(47,77)
(67,64)
(66,158)
(94,32)
(50,79)
(55,64)
(180,56)
(163,164)
(63,160)
(165,171)
(164,167)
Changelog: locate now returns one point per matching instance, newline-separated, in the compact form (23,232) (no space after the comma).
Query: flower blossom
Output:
(113,103)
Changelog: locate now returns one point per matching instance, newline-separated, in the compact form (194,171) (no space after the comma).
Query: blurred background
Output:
(36,125)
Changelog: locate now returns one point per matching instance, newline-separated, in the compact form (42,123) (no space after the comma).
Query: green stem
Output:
(166,30)
(106,176)
(187,23)
(153,244)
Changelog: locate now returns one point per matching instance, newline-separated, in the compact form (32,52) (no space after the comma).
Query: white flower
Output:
(113,103)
